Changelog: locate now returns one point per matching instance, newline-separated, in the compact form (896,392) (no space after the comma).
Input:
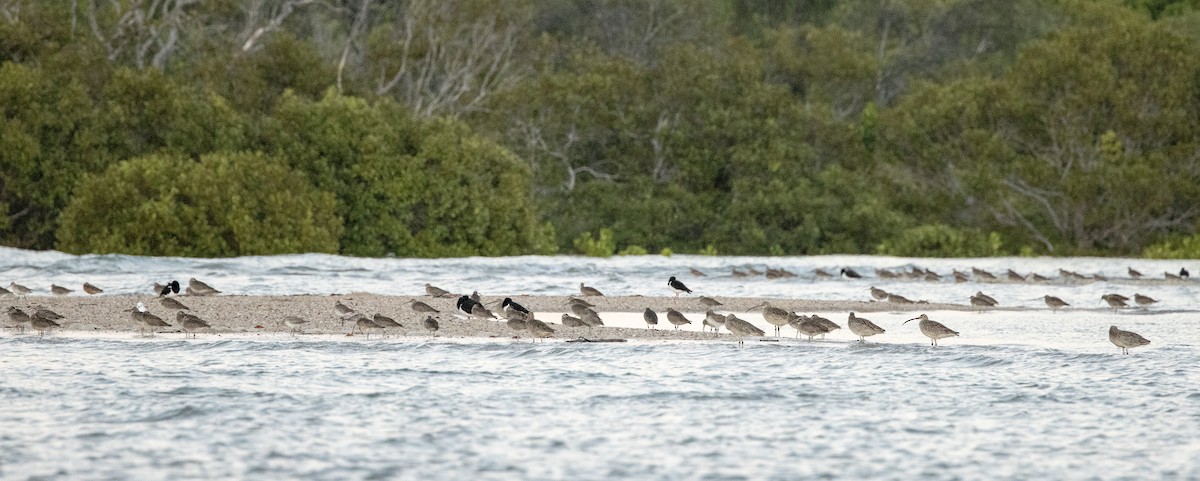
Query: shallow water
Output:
(1027,394)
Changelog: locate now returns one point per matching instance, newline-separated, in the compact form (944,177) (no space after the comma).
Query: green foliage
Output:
(1176,247)
(666,252)
(223,205)
(602,246)
(633,251)
(941,240)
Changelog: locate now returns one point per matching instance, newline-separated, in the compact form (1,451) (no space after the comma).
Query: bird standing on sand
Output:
(709,302)
(199,288)
(1133,273)
(41,324)
(676,318)
(19,290)
(863,328)
(142,316)
(589,291)
(4,292)
(510,305)
(173,304)
(572,321)
(421,307)
(21,318)
(91,290)
(807,326)
(851,273)
(518,324)
(677,286)
(773,315)
(365,325)
(190,323)
(1125,339)
(932,329)
(741,329)
(59,290)
(898,299)
(436,291)
(166,289)
(343,311)
(1115,301)
(294,323)
(465,304)
(539,329)
(430,324)
(1143,300)
(386,323)
(878,294)
(1054,303)
(591,318)
(713,320)
(650,317)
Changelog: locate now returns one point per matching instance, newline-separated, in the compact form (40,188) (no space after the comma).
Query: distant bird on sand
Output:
(386,323)
(696,272)
(589,291)
(477,297)
(591,318)
(898,299)
(19,290)
(650,317)
(863,328)
(1171,277)
(4,292)
(343,311)
(294,323)
(149,321)
(878,294)
(190,323)
(709,302)
(430,324)
(511,305)
(1115,301)
(42,324)
(173,303)
(1134,273)
(741,329)
(676,318)
(1054,303)
(932,329)
(198,288)
(571,321)
(538,329)
(418,306)
(1143,300)
(465,304)
(713,320)
(677,286)
(851,273)
(982,274)
(365,325)
(436,291)
(773,315)
(59,290)
(21,318)
(1125,339)
(91,290)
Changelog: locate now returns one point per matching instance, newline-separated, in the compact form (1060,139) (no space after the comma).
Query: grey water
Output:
(1021,394)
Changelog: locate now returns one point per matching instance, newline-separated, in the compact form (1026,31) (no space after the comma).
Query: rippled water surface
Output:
(1024,394)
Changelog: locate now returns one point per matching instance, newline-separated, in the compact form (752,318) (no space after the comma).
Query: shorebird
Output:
(591,318)
(1054,303)
(676,318)
(579,309)
(1143,300)
(848,272)
(1171,277)
(1133,273)
(821,273)
(898,299)
(1125,339)
(696,272)
(465,304)
(166,289)
(826,324)
(1099,277)
(878,294)
(385,323)
(589,291)
(863,328)
(364,325)
(46,313)
(931,277)
(21,318)
(481,312)
(886,274)
(190,323)
(418,306)
(343,311)
(517,324)
(649,316)
(42,324)
(509,305)
(1183,272)
(1115,301)
(294,323)
(1013,276)
(199,288)
(59,290)
(932,329)
(91,290)
(807,326)
(19,290)
(571,321)
(577,301)
(539,329)
(430,324)
(741,329)
(737,273)
(517,315)
(173,303)
(5,292)
(773,315)
(1033,276)
(960,277)
(477,297)
(983,300)
(982,274)
(713,320)
(710,302)
(437,291)
(677,286)
(142,316)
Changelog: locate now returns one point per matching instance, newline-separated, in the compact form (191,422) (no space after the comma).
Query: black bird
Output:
(848,272)
(465,304)
(678,286)
(510,304)
(1184,273)
(172,286)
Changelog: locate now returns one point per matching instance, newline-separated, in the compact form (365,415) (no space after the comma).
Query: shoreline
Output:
(234,314)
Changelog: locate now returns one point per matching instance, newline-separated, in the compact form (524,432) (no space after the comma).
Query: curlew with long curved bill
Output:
(741,329)
(1125,339)
(588,291)
(863,328)
(649,316)
(932,329)
(773,315)
(676,318)
(677,286)
(1144,301)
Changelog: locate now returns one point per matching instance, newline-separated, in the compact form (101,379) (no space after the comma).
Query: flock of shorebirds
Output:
(521,319)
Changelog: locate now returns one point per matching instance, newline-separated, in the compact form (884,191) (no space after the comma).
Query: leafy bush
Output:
(1179,247)
(633,251)
(224,205)
(940,240)
(604,246)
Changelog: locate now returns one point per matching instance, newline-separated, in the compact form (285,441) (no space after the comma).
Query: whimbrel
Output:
(1115,301)
(863,328)
(386,323)
(709,302)
(1013,276)
(589,291)
(41,324)
(1143,300)
(878,294)
(421,307)
(19,290)
(713,320)
(364,325)
(539,329)
(571,321)
(898,299)
(1054,303)
(676,318)
(343,311)
(433,291)
(741,329)
(851,273)
(1125,339)
(199,288)
(649,316)
(982,274)
(932,329)
(591,318)
(59,290)
(677,286)
(173,304)
(21,318)
(1134,273)
(91,289)
(190,323)
(294,323)
(773,315)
